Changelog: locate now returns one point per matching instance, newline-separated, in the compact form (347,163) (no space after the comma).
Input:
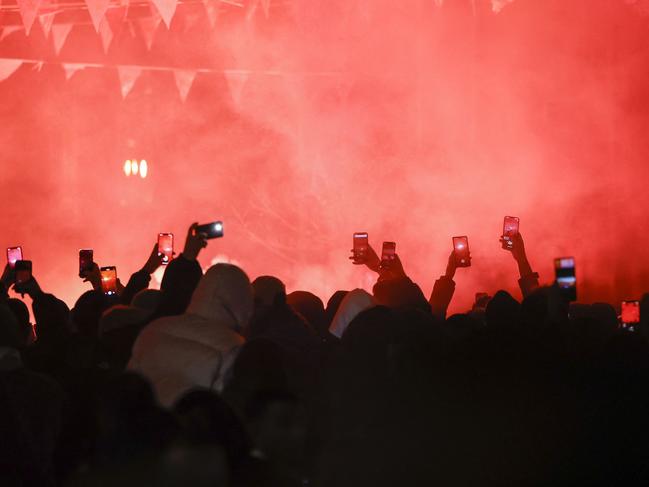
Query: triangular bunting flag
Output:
(8,67)
(9,29)
(212,10)
(184,80)
(71,68)
(148,27)
(106,34)
(167,9)
(59,35)
(236,81)
(116,17)
(128,75)
(46,21)
(28,11)
(38,65)
(97,9)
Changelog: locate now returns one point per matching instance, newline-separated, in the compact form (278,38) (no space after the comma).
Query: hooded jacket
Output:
(196,349)
(352,305)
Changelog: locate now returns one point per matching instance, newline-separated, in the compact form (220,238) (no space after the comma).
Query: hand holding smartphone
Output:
(85,261)
(23,270)
(108,280)
(461,251)
(166,247)
(630,316)
(14,254)
(565,277)
(211,230)
(510,230)
(387,254)
(360,248)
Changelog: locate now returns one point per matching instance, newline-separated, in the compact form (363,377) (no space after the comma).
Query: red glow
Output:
(411,121)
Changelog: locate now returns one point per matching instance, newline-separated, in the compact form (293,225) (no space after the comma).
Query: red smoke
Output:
(411,121)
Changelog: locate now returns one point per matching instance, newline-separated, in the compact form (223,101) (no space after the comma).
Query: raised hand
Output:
(194,243)
(93,276)
(518,252)
(154,261)
(371,259)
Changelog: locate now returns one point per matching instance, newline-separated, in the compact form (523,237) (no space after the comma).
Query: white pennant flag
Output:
(105,34)
(8,67)
(128,75)
(71,68)
(97,10)
(148,27)
(236,81)
(184,80)
(212,10)
(167,9)
(9,29)
(46,21)
(59,35)
(28,11)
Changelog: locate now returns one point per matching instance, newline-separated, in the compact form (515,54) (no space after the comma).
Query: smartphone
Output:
(211,230)
(387,254)
(630,316)
(566,279)
(166,247)
(14,254)
(23,270)
(361,247)
(108,280)
(510,229)
(461,251)
(85,261)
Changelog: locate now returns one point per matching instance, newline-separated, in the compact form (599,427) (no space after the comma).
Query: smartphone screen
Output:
(85,261)
(14,254)
(361,246)
(166,247)
(630,313)
(388,253)
(23,271)
(211,230)
(566,279)
(461,250)
(109,280)
(510,229)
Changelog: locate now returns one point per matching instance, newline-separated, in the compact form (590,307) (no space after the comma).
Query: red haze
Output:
(412,121)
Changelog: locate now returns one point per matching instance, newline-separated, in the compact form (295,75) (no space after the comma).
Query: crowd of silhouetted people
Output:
(215,380)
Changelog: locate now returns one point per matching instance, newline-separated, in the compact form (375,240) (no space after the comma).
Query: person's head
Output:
(224,293)
(87,312)
(21,312)
(310,307)
(400,293)
(205,419)
(333,304)
(177,286)
(354,303)
(53,317)
(9,329)
(269,291)
(503,311)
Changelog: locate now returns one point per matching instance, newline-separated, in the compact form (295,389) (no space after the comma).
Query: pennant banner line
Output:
(82,5)
(234,72)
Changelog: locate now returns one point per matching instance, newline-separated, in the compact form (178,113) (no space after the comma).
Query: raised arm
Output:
(528,279)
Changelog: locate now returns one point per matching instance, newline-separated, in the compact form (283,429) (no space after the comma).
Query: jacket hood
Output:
(223,292)
(353,303)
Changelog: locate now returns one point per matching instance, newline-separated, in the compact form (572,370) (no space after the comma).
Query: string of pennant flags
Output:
(128,74)
(30,10)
